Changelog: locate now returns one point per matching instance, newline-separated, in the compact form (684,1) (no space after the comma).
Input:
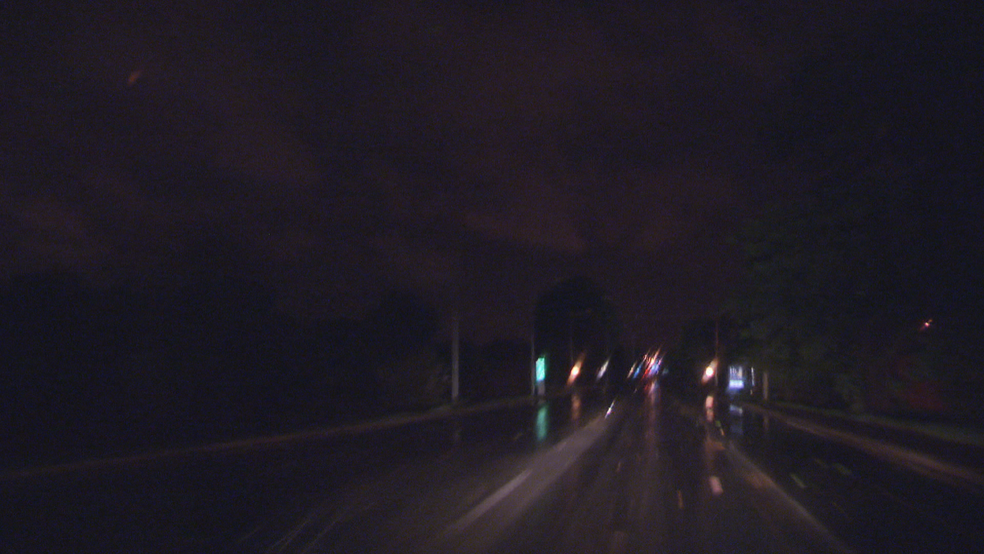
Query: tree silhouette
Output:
(401,352)
(575,318)
(884,129)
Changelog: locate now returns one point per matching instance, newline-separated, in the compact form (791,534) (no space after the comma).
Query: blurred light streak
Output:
(604,368)
(542,423)
(715,483)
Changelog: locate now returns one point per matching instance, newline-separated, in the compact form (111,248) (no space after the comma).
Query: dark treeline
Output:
(90,371)
(862,282)
(864,290)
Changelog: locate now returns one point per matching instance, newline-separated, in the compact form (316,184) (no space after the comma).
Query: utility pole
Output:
(455,339)
(717,353)
(533,361)
(717,342)
(456,324)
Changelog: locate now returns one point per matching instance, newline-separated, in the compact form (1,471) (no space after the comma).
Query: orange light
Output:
(709,372)
(575,371)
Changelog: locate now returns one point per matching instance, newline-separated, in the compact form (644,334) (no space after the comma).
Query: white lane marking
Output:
(798,481)
(316,541)
(488,503)
(247,536)
(288,537)
(716,488)
(748,470)
(619,542)
(842,469)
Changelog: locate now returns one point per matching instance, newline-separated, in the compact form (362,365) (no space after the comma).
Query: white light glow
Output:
(715,483)
(575,371)
(709,372)
(604,368)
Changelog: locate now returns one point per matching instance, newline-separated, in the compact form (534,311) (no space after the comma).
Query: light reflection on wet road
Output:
(872,504)
(280,496)
(665,481)
(652,476)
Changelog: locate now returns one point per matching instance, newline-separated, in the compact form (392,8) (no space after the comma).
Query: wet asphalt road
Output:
(649,475)
(316,494)
(874,503)
(665,480)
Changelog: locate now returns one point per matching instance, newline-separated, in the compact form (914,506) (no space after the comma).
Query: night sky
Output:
(335,151)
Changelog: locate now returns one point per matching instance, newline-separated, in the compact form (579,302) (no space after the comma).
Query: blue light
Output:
(736,377)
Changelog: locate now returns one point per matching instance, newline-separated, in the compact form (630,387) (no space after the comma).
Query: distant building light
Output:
(736,377)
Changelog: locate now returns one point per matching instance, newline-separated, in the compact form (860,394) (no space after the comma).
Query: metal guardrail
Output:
(926,463)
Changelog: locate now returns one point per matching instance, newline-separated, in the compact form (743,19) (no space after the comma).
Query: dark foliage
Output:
(575,318)
(885,130)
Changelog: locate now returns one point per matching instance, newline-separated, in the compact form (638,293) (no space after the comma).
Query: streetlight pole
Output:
(533,360)
(717,353)
(455,340)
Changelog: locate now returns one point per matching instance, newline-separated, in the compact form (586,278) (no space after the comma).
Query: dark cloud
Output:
(336,151)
